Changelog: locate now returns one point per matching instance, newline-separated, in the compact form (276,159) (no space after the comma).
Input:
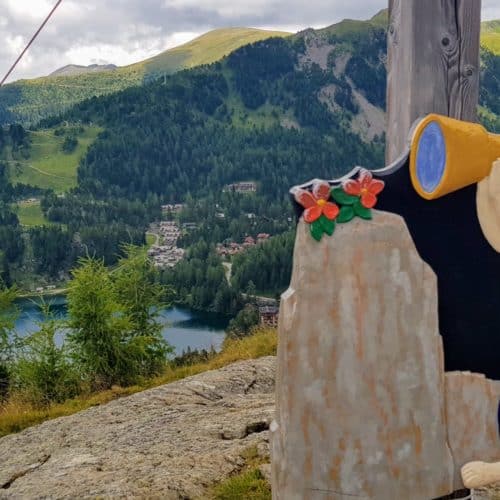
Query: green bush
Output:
(244,322)
(135,282)
(4,381)
(8,316)
(44,373)
(250,484)
(70,143)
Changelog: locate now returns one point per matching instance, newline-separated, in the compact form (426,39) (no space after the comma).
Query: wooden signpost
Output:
(433,64)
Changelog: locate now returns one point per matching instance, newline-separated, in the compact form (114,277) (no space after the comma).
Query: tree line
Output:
(113,334)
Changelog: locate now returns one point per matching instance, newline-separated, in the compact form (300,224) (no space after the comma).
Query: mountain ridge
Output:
(76,69)
(28,100)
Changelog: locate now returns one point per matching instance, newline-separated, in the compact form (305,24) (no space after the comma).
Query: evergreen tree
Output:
(137,287)
(8,316)
(97,324)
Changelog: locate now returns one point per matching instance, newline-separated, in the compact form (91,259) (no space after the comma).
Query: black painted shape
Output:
(448,237)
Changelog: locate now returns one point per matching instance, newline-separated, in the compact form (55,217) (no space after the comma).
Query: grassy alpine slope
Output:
(48,166)
(27,101)
(490,36)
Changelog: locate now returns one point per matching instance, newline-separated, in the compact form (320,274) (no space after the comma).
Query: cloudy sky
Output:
(126,31)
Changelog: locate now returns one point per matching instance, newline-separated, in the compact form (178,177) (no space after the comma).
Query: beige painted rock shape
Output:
(488,206)
(360,380)
(481,474)
(472,419)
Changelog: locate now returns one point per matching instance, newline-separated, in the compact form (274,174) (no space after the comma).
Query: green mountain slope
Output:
(490,36)
(27,101)
(49,166)
(276,112)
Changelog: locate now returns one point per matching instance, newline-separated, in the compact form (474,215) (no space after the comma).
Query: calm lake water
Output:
(183,328)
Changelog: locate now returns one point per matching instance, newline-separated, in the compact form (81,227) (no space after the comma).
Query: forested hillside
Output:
(27,101)
(273,113)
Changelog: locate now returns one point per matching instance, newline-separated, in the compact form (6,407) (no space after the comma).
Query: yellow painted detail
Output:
(321,202)
(470,153)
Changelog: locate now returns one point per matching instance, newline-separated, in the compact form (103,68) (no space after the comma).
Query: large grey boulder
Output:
(170,442)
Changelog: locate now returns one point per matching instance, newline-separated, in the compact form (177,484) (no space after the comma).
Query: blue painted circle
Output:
(431,157)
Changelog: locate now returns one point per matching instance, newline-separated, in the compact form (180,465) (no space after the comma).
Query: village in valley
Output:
(164,251)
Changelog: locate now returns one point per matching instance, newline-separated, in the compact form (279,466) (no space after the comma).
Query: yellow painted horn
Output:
(447,155)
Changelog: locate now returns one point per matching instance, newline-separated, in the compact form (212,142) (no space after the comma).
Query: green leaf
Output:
(361,211)
(346,214)
(340,196)
(316,230)
(327,225)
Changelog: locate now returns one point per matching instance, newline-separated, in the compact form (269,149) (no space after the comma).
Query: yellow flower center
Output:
(364,191)
(321,203)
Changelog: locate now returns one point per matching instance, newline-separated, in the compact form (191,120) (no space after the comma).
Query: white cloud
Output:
(125,31)
(34,9)
(224,8)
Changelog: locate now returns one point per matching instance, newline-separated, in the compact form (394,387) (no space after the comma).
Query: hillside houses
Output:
(173,208)
(241,187)
(231,248)
(165,252)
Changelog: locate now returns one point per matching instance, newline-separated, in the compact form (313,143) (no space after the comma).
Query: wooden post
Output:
(433,64)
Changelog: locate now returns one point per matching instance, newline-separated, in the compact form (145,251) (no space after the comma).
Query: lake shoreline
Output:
(183,328)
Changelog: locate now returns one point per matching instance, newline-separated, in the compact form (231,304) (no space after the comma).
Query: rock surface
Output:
(169,442)
(163,443)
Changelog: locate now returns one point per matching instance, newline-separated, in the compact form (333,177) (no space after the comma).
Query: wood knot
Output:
(469,70)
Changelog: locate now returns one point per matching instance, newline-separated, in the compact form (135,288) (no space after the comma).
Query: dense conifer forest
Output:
(274,113)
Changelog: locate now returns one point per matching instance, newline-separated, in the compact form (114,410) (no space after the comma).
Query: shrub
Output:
(69,145)
(244,322)
(44,373)
(249,484)
(8,315)
(135,282)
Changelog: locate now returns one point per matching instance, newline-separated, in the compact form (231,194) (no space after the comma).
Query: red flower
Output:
(366,187)
(316,203)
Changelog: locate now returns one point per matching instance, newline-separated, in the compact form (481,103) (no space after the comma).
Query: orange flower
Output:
(366,187)
(316,203)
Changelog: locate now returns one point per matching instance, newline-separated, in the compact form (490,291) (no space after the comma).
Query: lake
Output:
(183,328)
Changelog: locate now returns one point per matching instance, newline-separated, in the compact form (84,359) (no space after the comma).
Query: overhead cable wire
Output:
(33,38)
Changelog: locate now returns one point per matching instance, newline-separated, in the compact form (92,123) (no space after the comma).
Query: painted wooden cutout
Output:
(454,226)
(447,233)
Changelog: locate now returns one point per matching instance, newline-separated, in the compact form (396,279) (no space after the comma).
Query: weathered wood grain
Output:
(433,61)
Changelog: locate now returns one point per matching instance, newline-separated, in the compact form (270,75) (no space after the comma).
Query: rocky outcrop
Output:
(170,442)
(173,441)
